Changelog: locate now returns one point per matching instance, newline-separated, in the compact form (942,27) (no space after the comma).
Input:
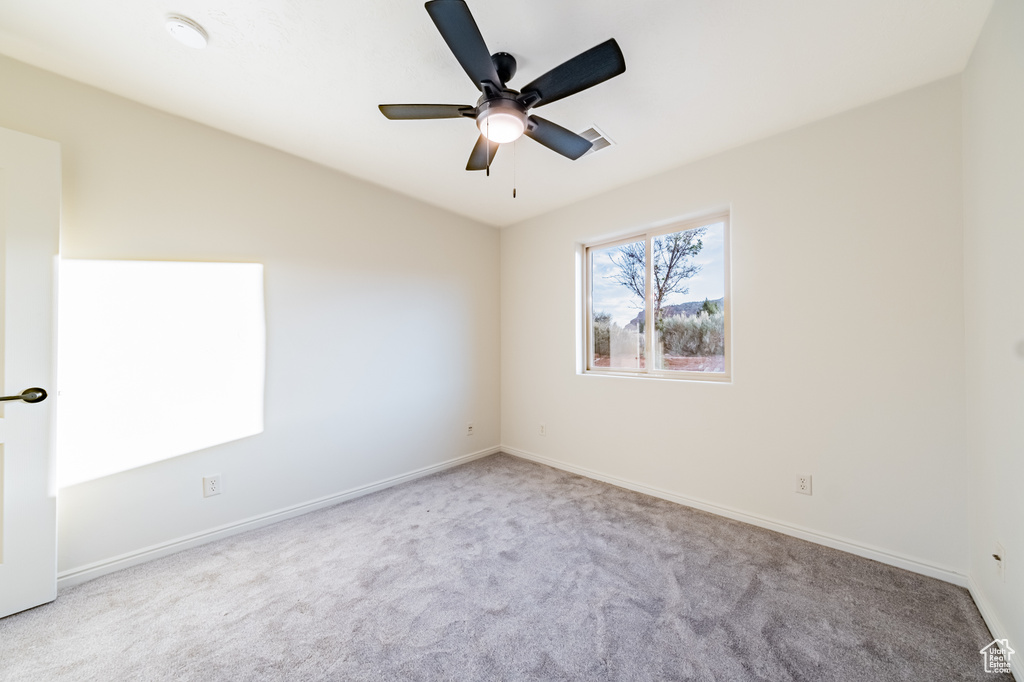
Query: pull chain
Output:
(488,146)
(515,145)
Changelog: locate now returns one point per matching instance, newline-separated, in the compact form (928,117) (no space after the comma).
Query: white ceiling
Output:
(305,76)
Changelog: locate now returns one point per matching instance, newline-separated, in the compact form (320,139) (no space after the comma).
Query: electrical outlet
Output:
(211,485)
(543,429)
(803,484)
(469,429)
(999,556)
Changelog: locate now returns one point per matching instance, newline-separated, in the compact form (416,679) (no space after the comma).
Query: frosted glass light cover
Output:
(500,126)
(155,360)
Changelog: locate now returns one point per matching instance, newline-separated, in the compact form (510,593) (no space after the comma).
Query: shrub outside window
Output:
(676,275)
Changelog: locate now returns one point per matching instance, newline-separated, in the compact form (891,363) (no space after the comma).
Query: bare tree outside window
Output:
(672,266)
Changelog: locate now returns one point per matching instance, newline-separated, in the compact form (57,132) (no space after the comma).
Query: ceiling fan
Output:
(501,113)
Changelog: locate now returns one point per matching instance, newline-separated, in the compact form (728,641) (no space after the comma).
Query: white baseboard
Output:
(995,626)
(884,556)
(81,574)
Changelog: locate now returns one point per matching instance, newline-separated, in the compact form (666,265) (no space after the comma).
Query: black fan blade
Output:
(458,28)
(401,112)
(557,138)
(583,71)
(482,155)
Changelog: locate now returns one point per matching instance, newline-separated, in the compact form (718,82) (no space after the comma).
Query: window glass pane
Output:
(688,294)
(617,296)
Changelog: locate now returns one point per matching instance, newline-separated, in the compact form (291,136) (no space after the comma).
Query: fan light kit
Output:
(501,124)
(186,31)
(500,112)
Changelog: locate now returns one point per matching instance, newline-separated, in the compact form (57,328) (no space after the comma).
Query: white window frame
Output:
(648,236)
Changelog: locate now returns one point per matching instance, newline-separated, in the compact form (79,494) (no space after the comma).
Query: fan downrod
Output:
(505,65)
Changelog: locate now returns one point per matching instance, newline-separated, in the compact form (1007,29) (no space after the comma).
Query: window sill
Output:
(698,377)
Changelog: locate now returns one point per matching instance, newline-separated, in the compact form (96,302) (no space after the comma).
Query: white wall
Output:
(847,317)
(382,311)
(994,285)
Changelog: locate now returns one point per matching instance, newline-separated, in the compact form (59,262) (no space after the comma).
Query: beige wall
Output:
(994,278)
(382,311)
(848,346)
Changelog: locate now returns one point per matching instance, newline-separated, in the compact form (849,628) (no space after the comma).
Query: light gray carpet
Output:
(503,569)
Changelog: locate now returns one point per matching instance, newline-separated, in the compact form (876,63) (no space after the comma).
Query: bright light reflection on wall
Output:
(156,359)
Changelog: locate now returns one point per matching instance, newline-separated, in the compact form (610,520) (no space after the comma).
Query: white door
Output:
(29,227)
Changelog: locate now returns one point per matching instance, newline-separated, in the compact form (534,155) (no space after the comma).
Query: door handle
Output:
(29,395)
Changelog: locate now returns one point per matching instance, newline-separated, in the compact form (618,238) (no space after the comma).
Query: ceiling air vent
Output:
(598,138)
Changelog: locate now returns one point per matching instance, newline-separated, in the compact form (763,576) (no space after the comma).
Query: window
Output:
(677,276)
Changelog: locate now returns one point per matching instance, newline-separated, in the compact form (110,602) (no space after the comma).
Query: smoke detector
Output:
(186,31)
